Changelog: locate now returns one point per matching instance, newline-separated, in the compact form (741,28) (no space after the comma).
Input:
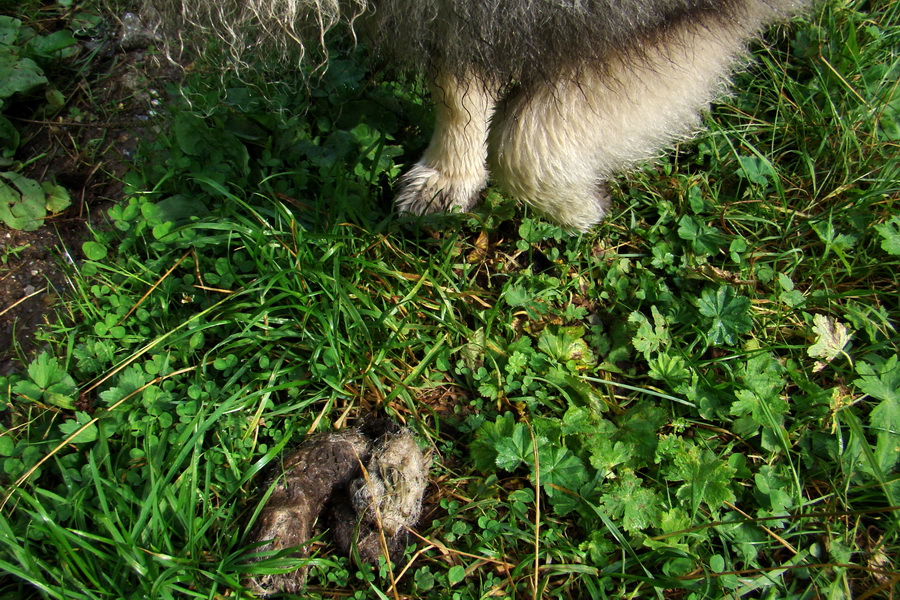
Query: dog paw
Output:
(424,190)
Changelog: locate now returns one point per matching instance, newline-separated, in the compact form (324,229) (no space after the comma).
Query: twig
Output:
(21,300)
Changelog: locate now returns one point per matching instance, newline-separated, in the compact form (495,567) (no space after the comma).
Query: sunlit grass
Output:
(698,398)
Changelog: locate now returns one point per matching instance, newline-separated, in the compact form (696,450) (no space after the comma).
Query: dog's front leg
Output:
(453,170)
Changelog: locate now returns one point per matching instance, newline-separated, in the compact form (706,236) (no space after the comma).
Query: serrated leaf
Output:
(638,507)
(64,401)
(638,431)
(882,383)
(46,372)
(28,390)
(728,313)
(890,234)
(484,447)
(517,296)
(49,383)
(72,425)
(671,369)
(707,479)
(704,240)
(128,382)
(566,344)
(831,338)
(559,467)
(763,374)
(514,449)
(650,338)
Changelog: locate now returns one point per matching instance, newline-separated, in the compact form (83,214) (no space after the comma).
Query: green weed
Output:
(698,399)
(24,202)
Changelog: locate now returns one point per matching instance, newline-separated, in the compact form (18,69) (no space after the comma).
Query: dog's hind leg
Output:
(453,170)
(554,147)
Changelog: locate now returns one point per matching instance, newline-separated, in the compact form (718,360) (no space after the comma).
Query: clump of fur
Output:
(284,28)
(506,41)
(367,483)
(547,98)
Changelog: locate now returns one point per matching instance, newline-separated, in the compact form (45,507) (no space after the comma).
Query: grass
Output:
(698,399)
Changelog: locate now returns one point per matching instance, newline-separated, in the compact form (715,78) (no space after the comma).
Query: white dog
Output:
(548,98)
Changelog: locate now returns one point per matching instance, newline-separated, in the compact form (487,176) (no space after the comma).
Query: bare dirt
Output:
(112,93)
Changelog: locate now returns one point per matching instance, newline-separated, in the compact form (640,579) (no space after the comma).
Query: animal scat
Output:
(325,477)
(308,480)
(385,498)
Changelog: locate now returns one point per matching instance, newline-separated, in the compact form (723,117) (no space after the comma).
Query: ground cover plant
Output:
(699,399)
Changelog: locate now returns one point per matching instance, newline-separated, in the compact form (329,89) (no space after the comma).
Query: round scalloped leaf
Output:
(94,250)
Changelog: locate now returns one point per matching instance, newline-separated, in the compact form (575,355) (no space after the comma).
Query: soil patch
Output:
(112,100)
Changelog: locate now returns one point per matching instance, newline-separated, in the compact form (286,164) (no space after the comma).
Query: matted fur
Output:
(550,97)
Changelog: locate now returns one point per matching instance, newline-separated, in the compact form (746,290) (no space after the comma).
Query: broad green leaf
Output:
(48,46)
(566,344)
(650,338)
(559,467)
(8,197)
(484,447)
(707,479)
(26,209)
(728,313)
(9,139)
(19,75)
(638,507)
(9,30)
(191,133)
(57,198)
(890,233)
(456,574)
(72,425)
(514,449)
(94,250)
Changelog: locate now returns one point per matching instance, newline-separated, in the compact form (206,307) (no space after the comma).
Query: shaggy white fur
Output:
(453,170)
(555,96)
(556,147)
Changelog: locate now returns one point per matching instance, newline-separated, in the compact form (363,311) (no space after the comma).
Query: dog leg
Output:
(553,147)
(453,169)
